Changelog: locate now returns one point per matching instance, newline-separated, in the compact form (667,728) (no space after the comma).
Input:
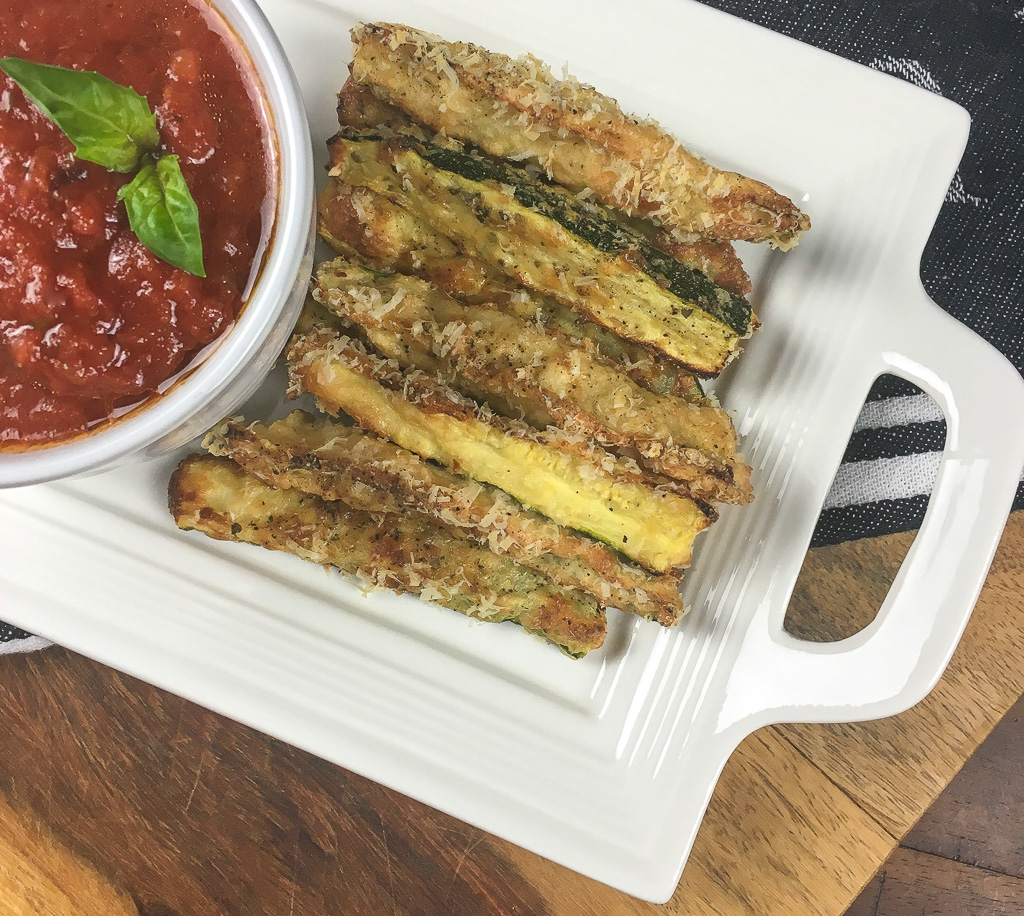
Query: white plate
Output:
(496,727)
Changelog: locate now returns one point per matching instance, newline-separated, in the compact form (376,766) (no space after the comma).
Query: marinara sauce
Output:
(91,322)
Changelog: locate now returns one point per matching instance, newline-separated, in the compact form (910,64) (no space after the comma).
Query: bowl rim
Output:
(236,348)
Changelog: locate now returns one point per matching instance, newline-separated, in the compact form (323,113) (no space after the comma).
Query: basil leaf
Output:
(163,214)
(108,124)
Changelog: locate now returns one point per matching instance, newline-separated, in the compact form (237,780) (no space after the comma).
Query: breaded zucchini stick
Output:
(358,107)
(550,241)
(518,369)
(571,481)
(406,554)
(371,230)
(327,459)
(517,109)
(716,259)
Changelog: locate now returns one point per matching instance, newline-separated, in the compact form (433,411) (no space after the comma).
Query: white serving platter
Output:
(496,727)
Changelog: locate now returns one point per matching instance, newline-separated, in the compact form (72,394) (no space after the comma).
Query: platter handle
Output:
(895,661)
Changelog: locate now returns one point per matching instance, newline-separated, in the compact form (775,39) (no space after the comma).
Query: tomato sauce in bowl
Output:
(91,322)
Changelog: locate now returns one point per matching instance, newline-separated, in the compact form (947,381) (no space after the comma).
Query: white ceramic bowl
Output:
(236,364)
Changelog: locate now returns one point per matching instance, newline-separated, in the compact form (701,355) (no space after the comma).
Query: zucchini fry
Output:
(548,240)
(368,228)
(332,461)
(358,107)
(516,109)
(215,496)
(371,230)
(570,481)
(518,369)
(716,259)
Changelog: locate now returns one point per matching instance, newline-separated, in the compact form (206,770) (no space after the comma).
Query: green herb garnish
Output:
(113,126)
(109,124)
(163,214)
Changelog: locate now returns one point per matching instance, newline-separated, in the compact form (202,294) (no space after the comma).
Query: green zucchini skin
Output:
(594,226)
(617,289)
(598,226)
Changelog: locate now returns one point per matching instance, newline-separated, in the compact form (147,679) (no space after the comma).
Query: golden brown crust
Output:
(359,107)
(517,109)
(567,478)
(717,259)
(371,230)
(611,287)
(521,370)
(406,554)
(310,354)
(332,461)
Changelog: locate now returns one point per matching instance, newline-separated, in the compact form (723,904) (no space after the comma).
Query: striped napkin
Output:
(973,265)
(889,466)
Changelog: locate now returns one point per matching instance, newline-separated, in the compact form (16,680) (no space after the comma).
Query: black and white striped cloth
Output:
(889,466)
(972,53)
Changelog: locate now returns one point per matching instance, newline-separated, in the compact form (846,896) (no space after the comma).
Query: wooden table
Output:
(119,798)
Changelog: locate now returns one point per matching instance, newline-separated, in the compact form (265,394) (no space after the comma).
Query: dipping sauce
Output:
(91,322)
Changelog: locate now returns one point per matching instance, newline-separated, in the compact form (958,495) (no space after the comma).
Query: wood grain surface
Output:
(39,875)
(966,854)
(898,766)
(919,884)
(978,819)
(184,813)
